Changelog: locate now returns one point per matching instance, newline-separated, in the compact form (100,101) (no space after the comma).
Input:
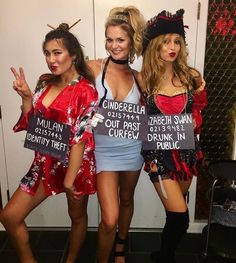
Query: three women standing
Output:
(171,86)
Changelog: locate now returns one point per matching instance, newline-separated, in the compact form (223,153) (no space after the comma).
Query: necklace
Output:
(119,61)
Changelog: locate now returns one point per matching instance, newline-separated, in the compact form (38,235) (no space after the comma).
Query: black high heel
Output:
(120,241)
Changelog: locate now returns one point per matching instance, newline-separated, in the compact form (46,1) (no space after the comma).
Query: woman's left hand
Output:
(97,118)
(71,193)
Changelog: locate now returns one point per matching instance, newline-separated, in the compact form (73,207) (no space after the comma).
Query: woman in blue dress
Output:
(118,160)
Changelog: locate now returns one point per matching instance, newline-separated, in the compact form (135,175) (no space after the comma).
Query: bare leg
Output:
(13,216)
(184,185)
(175,201)
(127,183)
(79,220)
(107,189)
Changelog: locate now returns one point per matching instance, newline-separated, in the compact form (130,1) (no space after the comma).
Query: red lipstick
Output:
(172,54)
(53,68)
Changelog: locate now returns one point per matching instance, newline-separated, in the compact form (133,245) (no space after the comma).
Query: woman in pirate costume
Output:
(171,87)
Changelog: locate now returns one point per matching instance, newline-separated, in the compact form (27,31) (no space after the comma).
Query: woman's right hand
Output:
(71,193)
(153,166)
(20,85)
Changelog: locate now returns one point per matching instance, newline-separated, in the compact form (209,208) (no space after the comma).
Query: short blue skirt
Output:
(117,154)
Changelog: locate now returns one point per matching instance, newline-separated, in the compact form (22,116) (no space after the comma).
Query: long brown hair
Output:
(71,43)
(153,67)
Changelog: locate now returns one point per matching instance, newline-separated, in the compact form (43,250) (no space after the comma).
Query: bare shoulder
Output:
(198,80)
(95,66)
(202,85)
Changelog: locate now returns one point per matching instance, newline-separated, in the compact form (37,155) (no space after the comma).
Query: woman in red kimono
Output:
(67,96)
(172,87)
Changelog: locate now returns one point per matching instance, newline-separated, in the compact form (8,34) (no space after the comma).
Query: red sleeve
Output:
(199,103)
(82,129)
(22,123)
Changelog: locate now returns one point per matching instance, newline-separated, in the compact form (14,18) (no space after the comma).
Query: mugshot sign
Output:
(47,137)
(167,132)
(123,120)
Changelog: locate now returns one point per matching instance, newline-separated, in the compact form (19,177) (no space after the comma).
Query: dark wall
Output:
(220,76)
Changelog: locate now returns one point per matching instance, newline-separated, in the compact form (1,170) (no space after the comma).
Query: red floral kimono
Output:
(74,105)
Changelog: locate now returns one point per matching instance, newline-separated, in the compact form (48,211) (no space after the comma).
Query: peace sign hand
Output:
(20,85)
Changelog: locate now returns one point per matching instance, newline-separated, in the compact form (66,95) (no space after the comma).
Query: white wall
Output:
(23,25)
(22,28)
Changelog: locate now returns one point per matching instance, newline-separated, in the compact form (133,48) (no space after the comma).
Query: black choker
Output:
(119,61)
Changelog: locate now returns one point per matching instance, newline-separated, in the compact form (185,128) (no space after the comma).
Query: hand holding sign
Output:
(97,118)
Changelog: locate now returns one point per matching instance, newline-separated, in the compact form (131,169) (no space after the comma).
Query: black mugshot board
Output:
(168,132)
(47,137)
(161,132)
(123,120)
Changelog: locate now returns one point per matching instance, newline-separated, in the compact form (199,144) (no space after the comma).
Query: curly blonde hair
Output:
(131,21)
(153,67)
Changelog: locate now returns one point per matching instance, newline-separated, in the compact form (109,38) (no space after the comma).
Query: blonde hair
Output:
(131,21)
(153,67)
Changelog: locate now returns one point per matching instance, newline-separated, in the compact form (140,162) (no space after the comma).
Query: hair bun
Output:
(63,26)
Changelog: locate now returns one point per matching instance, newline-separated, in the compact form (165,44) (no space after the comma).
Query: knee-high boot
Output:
(175,227)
